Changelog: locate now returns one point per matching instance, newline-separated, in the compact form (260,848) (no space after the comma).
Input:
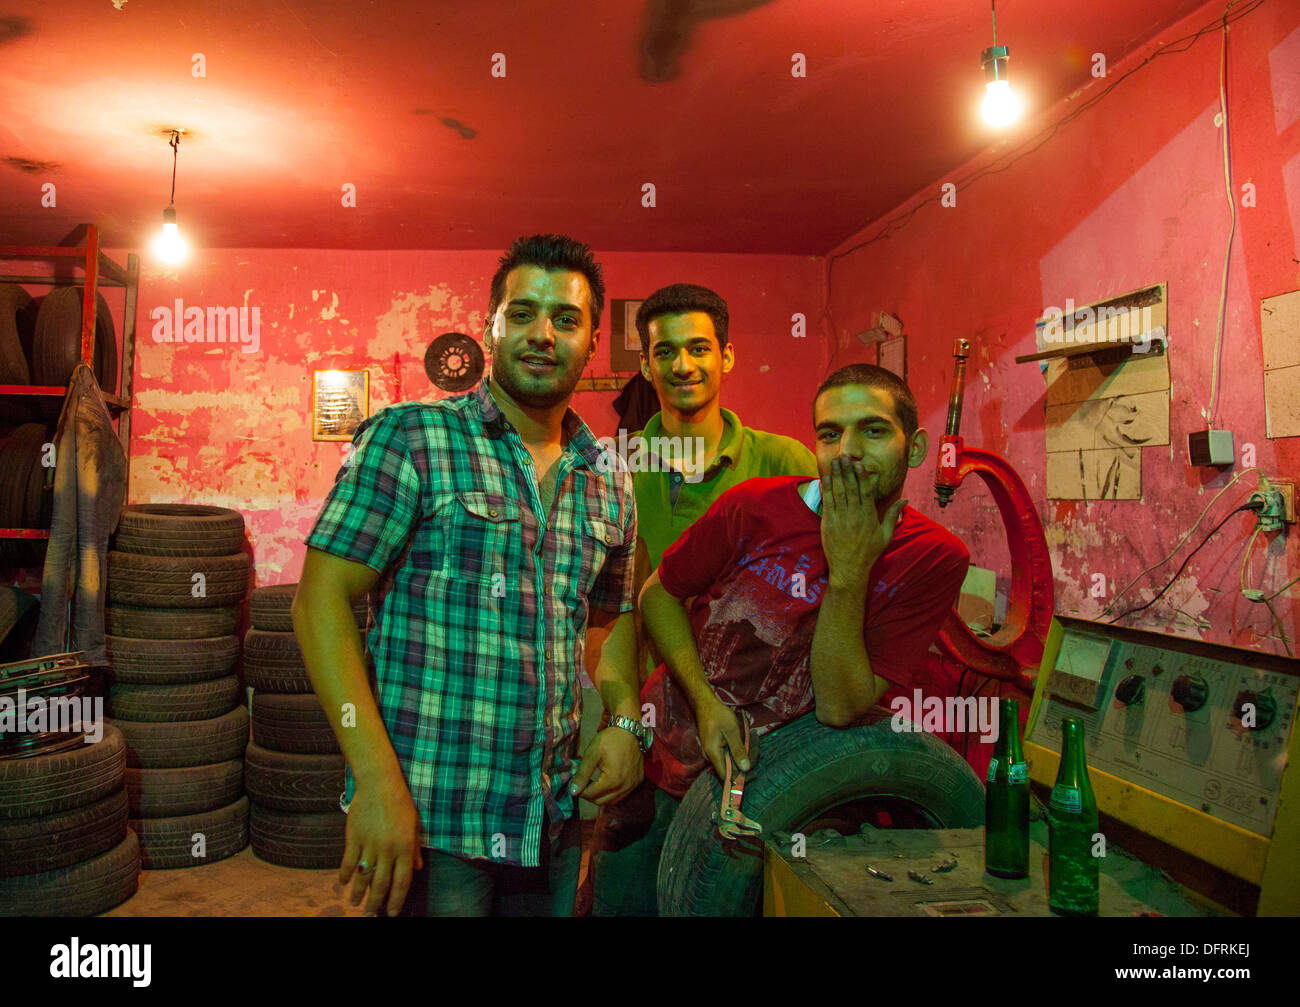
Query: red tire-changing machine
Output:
(1014,652)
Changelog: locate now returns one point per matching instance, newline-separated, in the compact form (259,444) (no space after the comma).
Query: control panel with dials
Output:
(1203,725)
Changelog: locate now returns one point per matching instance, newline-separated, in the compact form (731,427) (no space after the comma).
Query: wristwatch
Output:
(645,736)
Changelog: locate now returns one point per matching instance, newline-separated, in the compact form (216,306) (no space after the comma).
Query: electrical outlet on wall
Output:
(1278,497)
(1287,488)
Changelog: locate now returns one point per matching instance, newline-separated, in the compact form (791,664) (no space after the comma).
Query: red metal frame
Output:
(94,263)
(1014,653)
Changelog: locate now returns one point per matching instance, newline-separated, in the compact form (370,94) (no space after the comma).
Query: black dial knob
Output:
(1255,710)
(1190,692)
(1131,691)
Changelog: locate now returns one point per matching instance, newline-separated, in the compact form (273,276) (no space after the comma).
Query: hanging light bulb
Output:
(170,246)
(1001,105)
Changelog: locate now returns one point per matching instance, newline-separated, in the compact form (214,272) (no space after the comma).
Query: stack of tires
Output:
(65,848)
(176,578)
(40,344)
(294,765)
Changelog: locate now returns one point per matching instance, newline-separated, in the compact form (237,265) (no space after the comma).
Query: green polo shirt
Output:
(667,503)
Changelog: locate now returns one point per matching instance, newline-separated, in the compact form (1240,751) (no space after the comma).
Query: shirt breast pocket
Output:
(482,536)
(600,537)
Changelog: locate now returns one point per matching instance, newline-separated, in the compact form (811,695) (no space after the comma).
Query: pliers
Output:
(732,822)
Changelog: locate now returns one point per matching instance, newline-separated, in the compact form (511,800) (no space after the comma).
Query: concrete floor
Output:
(241,885)
(244,885)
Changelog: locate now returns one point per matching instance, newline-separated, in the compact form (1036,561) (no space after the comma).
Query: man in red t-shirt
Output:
(809,595)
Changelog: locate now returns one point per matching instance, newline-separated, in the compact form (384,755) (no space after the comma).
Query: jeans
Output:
(625,852)
(448,885)
(89,492)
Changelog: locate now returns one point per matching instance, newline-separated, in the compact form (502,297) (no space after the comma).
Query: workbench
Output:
(831,879)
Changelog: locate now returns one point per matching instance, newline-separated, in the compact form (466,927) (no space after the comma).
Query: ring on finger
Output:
(365,868)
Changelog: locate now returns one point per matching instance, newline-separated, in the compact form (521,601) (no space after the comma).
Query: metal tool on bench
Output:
(732,822)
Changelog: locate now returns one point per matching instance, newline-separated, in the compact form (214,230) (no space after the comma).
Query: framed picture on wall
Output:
(624,342)
(340,400)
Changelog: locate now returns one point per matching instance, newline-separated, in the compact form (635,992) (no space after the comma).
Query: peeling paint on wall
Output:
(233,430)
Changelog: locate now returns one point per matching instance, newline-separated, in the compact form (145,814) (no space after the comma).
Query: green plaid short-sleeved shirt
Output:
(478,635)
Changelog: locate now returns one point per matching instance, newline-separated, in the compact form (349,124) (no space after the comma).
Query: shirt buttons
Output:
(676,477)
(492,513)
(548,655)
(608,538)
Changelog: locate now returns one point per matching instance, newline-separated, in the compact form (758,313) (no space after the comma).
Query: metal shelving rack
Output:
(99,271)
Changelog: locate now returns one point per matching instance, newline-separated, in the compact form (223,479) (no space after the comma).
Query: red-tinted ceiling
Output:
(300,99)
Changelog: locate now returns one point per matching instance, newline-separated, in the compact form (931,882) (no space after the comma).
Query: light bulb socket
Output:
(994,59)
(169,215)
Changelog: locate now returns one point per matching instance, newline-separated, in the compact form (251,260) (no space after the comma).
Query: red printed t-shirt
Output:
(754,564)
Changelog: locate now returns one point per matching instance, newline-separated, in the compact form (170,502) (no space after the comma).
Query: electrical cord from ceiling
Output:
(1033,143)
(175,144)
(1232,208)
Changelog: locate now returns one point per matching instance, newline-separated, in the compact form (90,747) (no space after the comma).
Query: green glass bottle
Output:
(1006,800)
(1071,824)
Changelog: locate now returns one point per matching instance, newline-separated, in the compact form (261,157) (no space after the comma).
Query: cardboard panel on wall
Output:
(1282,401)
(1280,329)
(1100,474)
(1124,421)
(1078,379)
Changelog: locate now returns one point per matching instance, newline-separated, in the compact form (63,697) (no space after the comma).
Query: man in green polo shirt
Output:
(703,451)
(685,351)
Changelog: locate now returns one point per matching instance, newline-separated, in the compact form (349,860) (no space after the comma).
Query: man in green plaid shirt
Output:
(497,532)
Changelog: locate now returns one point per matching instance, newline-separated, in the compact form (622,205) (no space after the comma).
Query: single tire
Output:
(56,347)
(270,608)
(19,613)
(19,453)
(804,770)
(171,623)
(165,793)
(290,839)
(273,662)
(38,504)
(36,845)
(46,784)
(292,723)
(25,502)
(17,328)
(168,581)
(156,704)
(85,889)
(293,782)
(187,743)
(179,530)
(171,662)
(170,842)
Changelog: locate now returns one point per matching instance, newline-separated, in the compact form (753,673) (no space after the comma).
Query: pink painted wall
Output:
(1130,194)
(216,425)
